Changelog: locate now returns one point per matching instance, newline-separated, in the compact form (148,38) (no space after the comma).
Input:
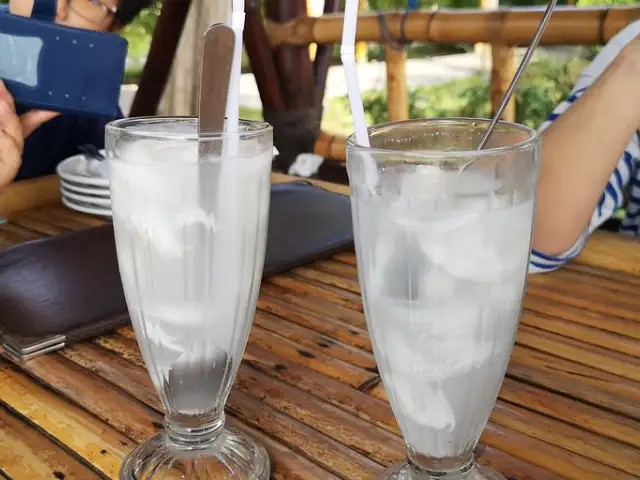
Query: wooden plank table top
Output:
(309,389)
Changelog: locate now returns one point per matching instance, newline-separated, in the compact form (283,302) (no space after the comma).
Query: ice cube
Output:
(489,247)
(188,324)
(434,199)
(430,346)
(424,181)
(161,338)
(155,192)
(425,404)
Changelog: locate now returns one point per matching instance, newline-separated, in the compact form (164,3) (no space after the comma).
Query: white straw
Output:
(228,207)
(233,102)
(348,56)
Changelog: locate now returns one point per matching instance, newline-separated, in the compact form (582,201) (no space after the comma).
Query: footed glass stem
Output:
(409,471)
(228,455)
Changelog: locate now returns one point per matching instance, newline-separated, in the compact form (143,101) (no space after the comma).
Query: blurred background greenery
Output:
(547,81)
(140,31)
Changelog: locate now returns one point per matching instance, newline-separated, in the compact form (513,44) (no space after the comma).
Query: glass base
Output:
(407,471)
(233,456)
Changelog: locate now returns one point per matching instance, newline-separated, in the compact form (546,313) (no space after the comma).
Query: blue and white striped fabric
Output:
(625,178)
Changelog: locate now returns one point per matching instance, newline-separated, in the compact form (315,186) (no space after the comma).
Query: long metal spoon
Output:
(516,78)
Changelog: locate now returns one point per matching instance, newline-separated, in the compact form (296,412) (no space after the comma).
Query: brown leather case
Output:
(65,289)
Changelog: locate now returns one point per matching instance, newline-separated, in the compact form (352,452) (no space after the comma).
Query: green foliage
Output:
(546,83)
(401,4)
(601,3)
(465,97)
(140,31)
(420,50)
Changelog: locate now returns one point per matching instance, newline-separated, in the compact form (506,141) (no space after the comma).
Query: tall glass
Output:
(443,234)
(190,224)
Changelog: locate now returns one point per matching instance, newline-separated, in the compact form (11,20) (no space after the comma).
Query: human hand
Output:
(14,130)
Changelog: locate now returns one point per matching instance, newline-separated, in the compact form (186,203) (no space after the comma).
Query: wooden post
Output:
(503,67)
(164,44)
(315,8)
(324,58)
(397,93)
(293,62)
(362,48)
(258,49)
(484,49)
(181,94)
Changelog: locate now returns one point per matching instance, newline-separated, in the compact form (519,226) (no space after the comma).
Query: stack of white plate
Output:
(84,185)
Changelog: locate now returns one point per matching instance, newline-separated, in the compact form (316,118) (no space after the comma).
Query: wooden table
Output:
(310,391)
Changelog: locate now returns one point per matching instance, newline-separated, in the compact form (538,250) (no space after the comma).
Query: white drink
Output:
(442,262)
(188,261)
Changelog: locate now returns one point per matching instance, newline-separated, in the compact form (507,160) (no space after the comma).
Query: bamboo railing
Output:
(504,29)
(512,26)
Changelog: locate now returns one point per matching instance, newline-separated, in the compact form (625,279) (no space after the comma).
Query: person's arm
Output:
(582,146)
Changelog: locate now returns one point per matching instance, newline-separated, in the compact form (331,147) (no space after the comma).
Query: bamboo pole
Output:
(397,92)
(484,49)
(503,67)
(314,9)
(503,29)
(331,146)
(514,26)
(293,63)
(362,48)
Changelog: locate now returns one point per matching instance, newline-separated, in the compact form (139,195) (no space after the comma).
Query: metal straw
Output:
(516,78)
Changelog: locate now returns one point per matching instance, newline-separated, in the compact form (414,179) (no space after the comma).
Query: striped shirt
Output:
(625,179)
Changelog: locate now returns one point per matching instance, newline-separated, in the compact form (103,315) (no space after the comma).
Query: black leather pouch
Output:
(67,288)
